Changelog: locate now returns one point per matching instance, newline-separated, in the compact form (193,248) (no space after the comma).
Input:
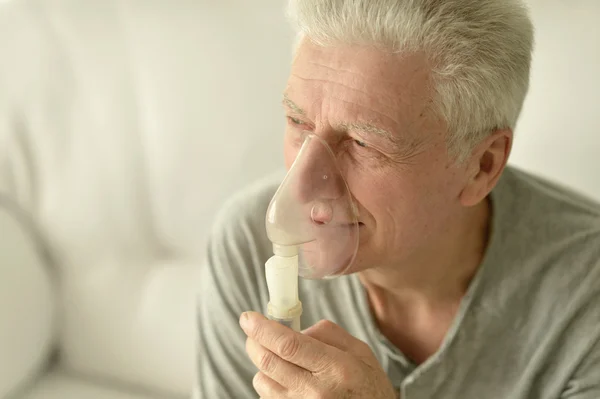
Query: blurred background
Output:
(125,124)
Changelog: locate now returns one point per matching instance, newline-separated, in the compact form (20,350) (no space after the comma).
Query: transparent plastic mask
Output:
(313,211)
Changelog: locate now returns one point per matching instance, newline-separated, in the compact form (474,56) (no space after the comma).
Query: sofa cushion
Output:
(27,303)
(61,385)
(136,119)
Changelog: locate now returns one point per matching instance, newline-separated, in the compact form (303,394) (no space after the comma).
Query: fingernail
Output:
(244,320)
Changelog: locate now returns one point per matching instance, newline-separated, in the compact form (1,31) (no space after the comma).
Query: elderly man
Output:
(473,280)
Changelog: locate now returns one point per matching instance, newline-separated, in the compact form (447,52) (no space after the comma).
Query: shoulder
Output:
(546,244)
(548,198)
(542,282)
(539,215)
(549,249)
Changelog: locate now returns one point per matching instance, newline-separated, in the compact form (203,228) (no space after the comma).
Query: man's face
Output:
(374,111)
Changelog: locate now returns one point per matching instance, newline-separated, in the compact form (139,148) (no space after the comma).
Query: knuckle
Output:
(255,330)
(345,376)
(258,381)
(363,347)
(288,347)
(263,385)
(266,361)
(327,324)
(323,325)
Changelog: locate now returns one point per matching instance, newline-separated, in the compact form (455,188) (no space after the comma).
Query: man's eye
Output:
(360,143)
(295,121)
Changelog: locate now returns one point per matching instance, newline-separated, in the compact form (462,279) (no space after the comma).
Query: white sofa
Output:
(124,125)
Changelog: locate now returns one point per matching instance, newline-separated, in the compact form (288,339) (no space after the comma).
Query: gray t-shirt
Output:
(528,327)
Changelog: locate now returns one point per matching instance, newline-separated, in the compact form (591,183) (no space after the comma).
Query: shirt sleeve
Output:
(585,382)
(232,281)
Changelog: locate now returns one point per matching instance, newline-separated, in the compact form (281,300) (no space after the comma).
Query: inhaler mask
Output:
(313,215)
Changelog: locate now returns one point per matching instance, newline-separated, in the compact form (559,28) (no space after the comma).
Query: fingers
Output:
(281,371)
(267,388)
(332,334)
(299,349)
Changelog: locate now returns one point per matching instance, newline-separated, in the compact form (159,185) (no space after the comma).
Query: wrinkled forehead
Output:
(400,71)
(391,84)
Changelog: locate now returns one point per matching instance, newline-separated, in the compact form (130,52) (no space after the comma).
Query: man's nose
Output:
(317,173)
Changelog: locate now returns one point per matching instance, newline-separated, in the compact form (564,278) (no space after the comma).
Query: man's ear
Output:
(485,166)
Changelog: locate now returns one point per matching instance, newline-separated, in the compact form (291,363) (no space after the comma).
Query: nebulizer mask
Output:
(312,222)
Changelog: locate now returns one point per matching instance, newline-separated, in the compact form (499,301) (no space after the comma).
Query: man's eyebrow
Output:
(292,105)
(367,128)
(359,126)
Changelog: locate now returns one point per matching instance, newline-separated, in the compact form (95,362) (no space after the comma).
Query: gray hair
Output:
(479,50)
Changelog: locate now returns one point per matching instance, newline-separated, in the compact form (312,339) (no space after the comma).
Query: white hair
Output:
(479,50)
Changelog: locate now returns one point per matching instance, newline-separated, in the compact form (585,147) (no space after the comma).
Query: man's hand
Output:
(322,362)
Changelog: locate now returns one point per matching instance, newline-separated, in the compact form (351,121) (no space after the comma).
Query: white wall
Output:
(558,135)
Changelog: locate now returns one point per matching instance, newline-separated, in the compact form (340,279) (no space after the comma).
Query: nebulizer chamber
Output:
(312,222)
